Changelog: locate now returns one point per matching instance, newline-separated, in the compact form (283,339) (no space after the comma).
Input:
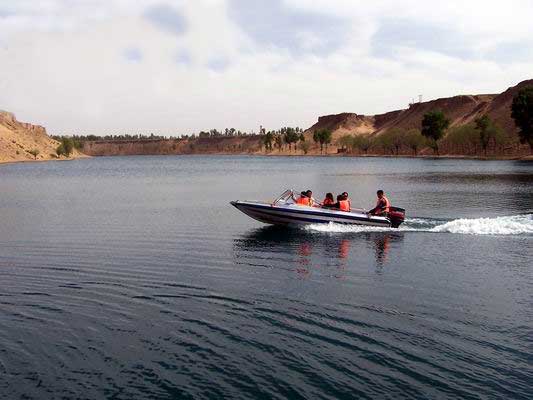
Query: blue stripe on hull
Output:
(308,212)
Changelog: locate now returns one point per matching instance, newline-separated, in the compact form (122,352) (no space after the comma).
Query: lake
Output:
(133,277)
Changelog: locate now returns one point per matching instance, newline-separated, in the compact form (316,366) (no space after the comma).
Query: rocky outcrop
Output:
(211,145)
(18,140)
(22,141)
(344,123)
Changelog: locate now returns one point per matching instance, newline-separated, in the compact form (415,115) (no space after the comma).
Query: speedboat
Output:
(285,211)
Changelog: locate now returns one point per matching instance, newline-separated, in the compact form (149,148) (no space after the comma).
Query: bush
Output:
(34,153)
(464,137)
(414,140)
(305,147)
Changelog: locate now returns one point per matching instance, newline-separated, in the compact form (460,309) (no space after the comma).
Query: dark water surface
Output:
(132,277)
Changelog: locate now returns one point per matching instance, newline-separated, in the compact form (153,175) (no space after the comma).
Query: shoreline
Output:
(44,160)
(344,155)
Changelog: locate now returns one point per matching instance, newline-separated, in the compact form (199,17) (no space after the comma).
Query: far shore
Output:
(423,156)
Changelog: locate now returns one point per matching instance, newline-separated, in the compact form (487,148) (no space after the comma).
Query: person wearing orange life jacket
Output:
(344,203)
(328,201)
(305,199)
(347,198)
(382,206)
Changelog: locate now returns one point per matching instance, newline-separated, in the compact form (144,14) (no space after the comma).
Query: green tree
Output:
(68,146)
(316,138)
(488,131)
(394,138)
(346,142)
(415,140)
(522,113)
(325,138)
(434,124)
(385,142)
(362,143)
(267,140)
(465,138)
(278,140)
(291,136)
(34,153)
(60,150)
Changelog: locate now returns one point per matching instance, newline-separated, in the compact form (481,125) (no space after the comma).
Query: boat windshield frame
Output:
(286,195)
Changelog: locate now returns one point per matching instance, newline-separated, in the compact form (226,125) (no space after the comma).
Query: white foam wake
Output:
(510,225)
(513,225)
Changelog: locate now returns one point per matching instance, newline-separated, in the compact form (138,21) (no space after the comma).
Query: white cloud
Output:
(103,67)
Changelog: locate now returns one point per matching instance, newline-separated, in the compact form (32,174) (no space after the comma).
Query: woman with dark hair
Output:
(329,201)
(344,203)
(305,199)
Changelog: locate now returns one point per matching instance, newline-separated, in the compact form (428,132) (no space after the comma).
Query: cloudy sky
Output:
(180,66)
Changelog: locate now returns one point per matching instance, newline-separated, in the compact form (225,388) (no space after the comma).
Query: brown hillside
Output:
(461,110)
(17,139)
(211,145)
(500,107)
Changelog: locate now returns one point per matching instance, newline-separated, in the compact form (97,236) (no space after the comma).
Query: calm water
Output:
(132,277)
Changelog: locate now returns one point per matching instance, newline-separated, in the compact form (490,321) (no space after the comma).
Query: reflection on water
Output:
(312,250)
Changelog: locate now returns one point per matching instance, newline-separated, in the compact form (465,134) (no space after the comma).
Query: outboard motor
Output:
(396,216)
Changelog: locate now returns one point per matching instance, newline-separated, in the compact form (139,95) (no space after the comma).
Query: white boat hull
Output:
(292,214)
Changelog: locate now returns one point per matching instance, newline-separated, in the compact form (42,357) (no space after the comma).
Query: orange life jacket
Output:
(328,202)
(303,201)
(344,205)
(385,209)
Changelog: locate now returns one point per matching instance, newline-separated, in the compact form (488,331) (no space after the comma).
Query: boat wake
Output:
(508,225)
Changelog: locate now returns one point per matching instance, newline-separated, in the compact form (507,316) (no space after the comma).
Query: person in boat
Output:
(347,198)
(329,201)
(305,199)
(382,206)
(344,203)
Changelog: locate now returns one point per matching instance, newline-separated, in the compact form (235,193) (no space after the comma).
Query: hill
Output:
(461,110)
(19,139)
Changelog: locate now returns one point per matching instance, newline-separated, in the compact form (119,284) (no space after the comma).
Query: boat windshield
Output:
(287,197)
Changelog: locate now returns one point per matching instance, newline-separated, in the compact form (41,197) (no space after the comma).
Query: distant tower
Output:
(420,98)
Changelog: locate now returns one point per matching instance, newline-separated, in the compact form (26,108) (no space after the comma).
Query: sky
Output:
(180,66)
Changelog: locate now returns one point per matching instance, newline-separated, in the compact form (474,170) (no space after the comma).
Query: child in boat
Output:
(328,201)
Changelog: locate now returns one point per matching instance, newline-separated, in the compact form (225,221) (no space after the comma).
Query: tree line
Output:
(435,132)
(212,133)
(463,139)
(284,136)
